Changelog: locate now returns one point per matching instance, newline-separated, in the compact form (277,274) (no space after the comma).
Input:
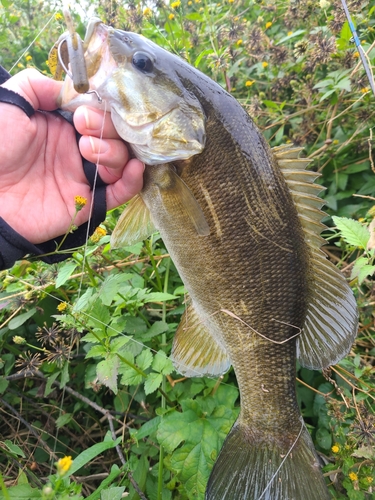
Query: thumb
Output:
(41,92)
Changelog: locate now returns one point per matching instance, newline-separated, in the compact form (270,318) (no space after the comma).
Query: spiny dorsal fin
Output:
(134,225)
(195,351)
(331,322)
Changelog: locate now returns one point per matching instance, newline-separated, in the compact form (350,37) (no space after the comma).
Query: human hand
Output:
(41,167)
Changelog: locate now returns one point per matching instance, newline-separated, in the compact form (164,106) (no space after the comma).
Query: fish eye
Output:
(143,62)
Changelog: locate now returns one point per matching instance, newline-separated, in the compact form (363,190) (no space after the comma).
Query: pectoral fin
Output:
(175,195)
(134,225)
(195,352)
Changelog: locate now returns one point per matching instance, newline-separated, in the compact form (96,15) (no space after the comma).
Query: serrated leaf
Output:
(118,343)
(359,263)
(153,382)
(144,360)
(65,272)
(21,319)
(202,439)
(96,350)
(365,452)
(156,329)
(107,371)
(364,272)
(162,363)
(352,231)
(111,287)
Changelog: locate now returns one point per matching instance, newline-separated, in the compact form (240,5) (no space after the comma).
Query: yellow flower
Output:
(20,65)
(171,17)
(356,54)
(62,306)
(80,202)
(98,234)
(264,64)
(239,42)
(290,33)
(369,479)
(64,464)
(364,90)
(58,16)
(28,58)
(147,12)
(190,2)
(335,448)
(268,25)
(249,83)
(175,5)
(231,1)
(353,476)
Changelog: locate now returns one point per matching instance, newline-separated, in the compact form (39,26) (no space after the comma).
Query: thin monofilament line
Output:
(282,463)
(32,43)
(83,265)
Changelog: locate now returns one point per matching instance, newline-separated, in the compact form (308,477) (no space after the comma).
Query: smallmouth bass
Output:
(242,225)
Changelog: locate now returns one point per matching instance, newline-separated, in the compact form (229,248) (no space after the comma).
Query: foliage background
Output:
(84,344)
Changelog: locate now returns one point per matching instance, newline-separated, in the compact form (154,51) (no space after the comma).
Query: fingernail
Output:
(93,119)
(98,146)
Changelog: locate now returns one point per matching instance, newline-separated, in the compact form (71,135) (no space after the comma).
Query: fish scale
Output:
(241,223)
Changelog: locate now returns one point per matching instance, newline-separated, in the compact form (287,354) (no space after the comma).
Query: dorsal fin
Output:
(134,225)
(195,352)
(331,321)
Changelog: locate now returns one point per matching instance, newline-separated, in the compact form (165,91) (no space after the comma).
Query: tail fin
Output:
(248,469)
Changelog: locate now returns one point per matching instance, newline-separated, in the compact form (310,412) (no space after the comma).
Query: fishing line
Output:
(282,463)
(358,45)
(32,43)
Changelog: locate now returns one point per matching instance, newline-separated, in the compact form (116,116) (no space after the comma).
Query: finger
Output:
(128,186)
(94,122)
(40,91)
(112,153)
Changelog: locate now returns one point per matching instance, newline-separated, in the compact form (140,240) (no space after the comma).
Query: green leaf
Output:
(162,363)
(65,272)
(13,448)
(63,420)
(91,453)
(364,272)
(21,319)
(156,329)
(153,382)
(3,384)
(111,287)
(107,371)
(148,428)
(21,492)
(114,493)
(202,439)
(95,351)
(352,231)
(144,360)
(159,297)
(324,438)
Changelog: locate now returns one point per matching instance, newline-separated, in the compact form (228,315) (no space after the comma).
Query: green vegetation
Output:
(84,368)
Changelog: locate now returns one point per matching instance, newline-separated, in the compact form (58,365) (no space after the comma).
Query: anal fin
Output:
(195,352)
